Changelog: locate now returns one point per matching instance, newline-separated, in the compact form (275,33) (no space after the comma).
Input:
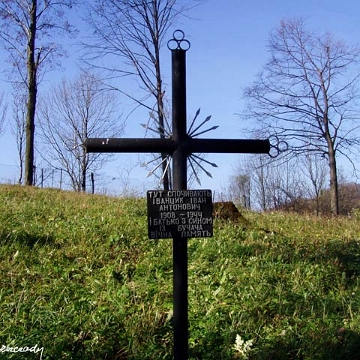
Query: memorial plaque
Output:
(181,213)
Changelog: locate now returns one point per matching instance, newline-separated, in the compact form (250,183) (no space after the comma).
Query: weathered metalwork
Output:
(181,145)
(182,213)
(169,145)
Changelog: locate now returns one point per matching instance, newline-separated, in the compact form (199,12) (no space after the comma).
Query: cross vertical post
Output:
(180,259)
(180,145)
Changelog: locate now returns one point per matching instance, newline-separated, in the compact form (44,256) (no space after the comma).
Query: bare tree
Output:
(133,31)
(305,94)
(72,112)
(27,31)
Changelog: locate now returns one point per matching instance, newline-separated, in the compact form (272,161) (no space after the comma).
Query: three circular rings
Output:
(178,42)
(276,146)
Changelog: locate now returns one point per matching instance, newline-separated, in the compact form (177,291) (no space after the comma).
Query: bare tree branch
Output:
(27,32)
(306,94)
(130,34)
(72,112)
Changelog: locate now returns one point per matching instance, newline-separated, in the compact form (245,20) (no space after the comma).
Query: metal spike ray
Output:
(156,167)
(202,132)
(194,171)
(164,130)
(151,161)
(206,120)
(167,132)
(201,167)
(196,115)
(147,127)
(202,159)
(168,160)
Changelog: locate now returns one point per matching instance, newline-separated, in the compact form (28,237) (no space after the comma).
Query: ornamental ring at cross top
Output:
(276,146)
(178,42)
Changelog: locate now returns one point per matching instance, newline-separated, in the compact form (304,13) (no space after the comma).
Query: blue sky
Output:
(228,47)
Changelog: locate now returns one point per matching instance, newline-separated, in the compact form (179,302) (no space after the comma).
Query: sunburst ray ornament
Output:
(196,158)
(196,162)
(157,131)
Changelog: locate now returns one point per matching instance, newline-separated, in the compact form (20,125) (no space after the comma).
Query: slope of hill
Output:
(80,279)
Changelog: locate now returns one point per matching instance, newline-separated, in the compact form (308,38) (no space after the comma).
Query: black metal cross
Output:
(180,146)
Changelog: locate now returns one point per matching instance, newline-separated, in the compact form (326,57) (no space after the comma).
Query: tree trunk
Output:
(334,196)
(21,158)
(31,103)
(83,176)
(30,135)
(92,183)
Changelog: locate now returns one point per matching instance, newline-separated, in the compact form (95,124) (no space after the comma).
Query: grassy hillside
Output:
(79,277)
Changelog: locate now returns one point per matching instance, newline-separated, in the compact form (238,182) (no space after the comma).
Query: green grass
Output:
(80,278)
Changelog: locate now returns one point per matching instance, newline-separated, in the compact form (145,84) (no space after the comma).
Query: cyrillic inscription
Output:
(179,213)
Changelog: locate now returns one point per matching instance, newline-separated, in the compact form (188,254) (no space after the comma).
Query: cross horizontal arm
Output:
(228,146)
(115,145)
(135,145)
